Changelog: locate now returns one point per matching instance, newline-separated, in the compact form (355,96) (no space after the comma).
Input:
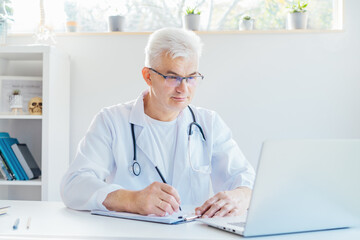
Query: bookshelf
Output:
(34,182)
(25,116)
(46,135)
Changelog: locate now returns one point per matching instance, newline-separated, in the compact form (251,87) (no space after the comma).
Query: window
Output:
(150,15)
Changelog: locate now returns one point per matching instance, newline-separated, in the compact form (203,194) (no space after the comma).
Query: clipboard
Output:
(179,217)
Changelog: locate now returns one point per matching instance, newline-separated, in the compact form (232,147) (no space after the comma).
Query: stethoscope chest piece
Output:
(135,168)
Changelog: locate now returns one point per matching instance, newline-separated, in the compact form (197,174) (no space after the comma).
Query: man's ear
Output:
(146,76)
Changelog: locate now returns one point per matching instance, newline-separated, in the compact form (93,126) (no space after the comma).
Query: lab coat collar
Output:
(137,114)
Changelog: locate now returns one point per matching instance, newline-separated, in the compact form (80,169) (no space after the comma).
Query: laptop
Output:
(301,185)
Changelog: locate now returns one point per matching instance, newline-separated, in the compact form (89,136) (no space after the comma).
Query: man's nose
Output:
(182,87)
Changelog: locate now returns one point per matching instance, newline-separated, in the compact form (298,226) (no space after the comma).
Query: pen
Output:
(16,224)
(28,223)
(163,179)
(192,218)
(189,218)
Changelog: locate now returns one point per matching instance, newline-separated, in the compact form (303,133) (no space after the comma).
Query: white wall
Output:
(271,85)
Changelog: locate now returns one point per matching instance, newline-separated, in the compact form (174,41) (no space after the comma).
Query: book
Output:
(3,174)
(4,169)
(26,160)
(4,135)
(3,209)
(5,155)
(11,156)
(12,177)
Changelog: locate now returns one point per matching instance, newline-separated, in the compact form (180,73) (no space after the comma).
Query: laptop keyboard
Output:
(238,224)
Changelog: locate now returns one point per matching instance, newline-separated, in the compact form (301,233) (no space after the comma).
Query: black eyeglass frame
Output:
(178,78)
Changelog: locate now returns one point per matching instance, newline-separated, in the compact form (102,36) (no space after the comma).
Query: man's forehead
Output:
(180,66)
(179,60)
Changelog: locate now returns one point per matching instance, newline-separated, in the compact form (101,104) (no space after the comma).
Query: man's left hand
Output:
(225,204)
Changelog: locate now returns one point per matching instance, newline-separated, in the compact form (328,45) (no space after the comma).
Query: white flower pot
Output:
(16,103)
(297,20)
(116,23)
(246,25)
(191,22)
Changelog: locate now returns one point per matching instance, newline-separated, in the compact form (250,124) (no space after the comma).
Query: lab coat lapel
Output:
(145,142)
(181,176)
(144,139)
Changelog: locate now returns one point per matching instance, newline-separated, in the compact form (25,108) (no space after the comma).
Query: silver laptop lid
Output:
(305,185)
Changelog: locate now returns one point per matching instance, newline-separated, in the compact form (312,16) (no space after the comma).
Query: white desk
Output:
(53,220)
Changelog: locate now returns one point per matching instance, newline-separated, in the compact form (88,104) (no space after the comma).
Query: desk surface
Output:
(53,220)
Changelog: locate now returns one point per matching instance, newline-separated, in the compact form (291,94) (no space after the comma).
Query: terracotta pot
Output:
(71,26)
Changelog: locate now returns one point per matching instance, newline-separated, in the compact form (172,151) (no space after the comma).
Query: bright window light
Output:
(150,15)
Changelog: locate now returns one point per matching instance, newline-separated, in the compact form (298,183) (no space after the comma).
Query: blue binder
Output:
(8,160)
(9,156)
(8,142)
(4,135)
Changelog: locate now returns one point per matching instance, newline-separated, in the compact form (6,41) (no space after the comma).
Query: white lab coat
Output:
(105,154)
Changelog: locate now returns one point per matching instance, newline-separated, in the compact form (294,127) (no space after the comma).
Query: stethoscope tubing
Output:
(135,164)
(135,167)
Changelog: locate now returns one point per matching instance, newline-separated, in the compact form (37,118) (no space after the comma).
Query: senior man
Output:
(154,153)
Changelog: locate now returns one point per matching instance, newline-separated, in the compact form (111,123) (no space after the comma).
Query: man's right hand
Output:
(157,198)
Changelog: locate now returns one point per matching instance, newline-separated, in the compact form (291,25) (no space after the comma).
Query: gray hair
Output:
(175,42)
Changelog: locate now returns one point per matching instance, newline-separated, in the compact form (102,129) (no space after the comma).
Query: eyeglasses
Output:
(174,81)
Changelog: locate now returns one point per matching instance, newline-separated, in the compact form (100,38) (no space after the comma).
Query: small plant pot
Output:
(246,25)
(16,103)
(297,20)
(191,22)
(71,26)
(116,23)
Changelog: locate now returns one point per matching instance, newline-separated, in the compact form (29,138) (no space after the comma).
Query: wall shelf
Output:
(216,32)
(19,116)
(34,182)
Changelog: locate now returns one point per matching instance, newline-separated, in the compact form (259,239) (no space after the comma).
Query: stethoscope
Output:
(135,167)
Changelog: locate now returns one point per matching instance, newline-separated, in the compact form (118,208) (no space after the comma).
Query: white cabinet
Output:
(46,135)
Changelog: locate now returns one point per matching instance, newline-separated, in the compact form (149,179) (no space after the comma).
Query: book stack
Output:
(16,161)
(3,209)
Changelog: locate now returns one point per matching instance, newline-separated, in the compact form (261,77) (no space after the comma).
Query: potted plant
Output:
(116,21)
(191,20)
(297,17)
(246,23)
(71,10)
(16,101)
(6,12)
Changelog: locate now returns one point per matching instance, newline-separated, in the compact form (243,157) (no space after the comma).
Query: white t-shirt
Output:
(165,135)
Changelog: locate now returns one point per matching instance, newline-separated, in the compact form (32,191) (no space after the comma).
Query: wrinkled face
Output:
(172,98)
(35,106)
